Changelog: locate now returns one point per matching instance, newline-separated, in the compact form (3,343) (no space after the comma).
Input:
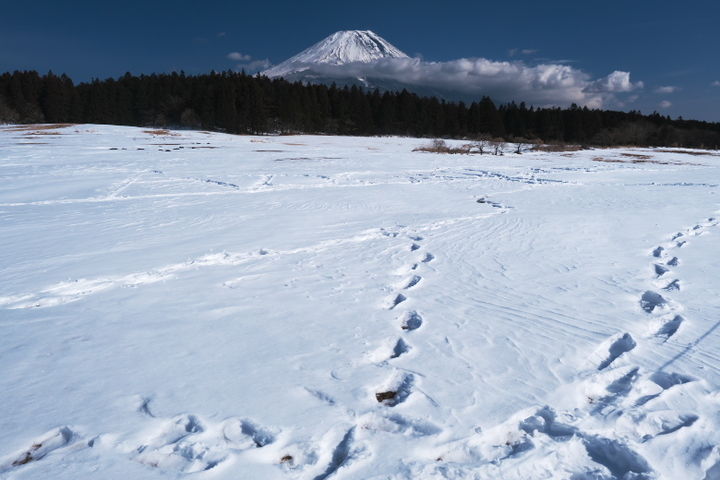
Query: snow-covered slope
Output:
(340,48)
(191,305)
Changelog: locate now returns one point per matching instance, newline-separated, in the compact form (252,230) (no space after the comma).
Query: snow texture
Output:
(198,305)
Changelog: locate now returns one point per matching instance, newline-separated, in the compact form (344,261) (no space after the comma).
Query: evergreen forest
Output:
(239,103)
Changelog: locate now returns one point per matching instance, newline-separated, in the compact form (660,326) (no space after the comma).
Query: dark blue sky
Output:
(669,46)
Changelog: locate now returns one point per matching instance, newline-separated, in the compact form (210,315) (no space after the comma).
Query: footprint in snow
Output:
(666,381)
(395,391)
(670,328)
(658,252)
(660,270)
(411,320)
(187,446)
(618,347)
(52,440)
(610,387)
(342,455)
(246,434)
(394,301)
(398,424)
(411,282)
(650,301)
(672,423)
(400,348)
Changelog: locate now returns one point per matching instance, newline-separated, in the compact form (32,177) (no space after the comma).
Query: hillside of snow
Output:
(194,305)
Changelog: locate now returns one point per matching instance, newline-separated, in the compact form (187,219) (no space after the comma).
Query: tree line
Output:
(239,103)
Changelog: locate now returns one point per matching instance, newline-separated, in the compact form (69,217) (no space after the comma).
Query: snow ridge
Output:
(338,49)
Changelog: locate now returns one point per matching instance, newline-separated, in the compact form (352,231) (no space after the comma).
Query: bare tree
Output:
(498,145)
(521,143)
(483,140)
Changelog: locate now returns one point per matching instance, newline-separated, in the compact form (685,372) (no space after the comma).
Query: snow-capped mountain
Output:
(349,58)
(340,48)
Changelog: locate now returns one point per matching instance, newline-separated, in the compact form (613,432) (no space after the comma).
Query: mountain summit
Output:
(338,49)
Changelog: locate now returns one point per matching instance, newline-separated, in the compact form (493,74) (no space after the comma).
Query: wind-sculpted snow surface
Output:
(196,305)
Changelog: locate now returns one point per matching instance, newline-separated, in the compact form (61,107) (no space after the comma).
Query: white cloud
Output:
(239,56)
(665,104)
(255,66)
(221,34)
(716,83)
(542,85)
(523,51)
(615,82)
(669,89)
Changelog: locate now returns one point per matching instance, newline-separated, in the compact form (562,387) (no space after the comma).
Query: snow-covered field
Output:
(195,305)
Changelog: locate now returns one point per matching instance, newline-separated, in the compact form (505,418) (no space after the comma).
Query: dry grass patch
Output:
(641,160)
(636,155)
(27,128)
(689,152)
(42,133)
(164,132)
(558,147)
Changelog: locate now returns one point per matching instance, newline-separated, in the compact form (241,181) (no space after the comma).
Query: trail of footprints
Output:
(395,390)
(616,408)
(182,444)
(399,386)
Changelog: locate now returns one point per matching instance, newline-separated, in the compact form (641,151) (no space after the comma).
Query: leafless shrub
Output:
(521,143)
(440,146)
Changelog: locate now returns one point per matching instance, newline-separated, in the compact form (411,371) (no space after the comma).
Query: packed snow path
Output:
(197,305)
